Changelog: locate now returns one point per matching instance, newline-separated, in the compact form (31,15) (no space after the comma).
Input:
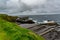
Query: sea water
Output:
(41,18)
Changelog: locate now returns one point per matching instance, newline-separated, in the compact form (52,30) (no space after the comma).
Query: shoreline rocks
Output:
(24,20)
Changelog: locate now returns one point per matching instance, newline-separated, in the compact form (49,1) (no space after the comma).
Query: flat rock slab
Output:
(27,25)
(48,33)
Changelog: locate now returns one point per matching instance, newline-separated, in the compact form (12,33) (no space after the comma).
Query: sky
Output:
(30,7)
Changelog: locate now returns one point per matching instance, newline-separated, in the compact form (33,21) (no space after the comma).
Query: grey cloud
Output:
(19,8)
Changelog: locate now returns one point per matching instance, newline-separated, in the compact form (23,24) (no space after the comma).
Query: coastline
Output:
(43,30)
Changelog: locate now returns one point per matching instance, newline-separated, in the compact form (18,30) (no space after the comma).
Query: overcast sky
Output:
(30,7)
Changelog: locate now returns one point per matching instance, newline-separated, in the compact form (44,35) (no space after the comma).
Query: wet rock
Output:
(24,20)
(50,24)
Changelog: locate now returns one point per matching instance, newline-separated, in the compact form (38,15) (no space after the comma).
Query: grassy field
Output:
(11,31)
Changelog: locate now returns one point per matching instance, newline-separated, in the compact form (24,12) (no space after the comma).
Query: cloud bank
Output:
(30,7)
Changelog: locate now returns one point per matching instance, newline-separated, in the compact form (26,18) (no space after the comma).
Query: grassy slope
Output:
(8,18)
(11,31)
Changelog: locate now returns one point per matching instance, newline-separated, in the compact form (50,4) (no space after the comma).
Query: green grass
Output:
(8,18)
(11,31)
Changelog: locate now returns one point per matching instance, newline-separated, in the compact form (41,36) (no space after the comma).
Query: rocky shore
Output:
(49,32)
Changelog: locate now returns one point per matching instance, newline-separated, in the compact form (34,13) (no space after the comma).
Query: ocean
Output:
(41,18)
